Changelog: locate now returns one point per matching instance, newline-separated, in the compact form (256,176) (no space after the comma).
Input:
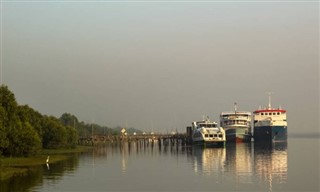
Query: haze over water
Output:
(241,167)
(159,65)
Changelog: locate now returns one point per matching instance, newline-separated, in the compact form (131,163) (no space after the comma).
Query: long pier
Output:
(161,139)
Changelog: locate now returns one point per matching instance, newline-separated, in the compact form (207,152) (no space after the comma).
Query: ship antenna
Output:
(235,107)
(269,105)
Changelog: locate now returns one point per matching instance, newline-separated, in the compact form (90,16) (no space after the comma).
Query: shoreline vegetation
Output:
(25,131)
(27,137)
(19,166)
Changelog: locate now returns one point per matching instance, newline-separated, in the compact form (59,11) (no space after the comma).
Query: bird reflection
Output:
(47,162)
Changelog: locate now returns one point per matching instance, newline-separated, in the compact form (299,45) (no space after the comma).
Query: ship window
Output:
(220,135)
(215,135)
(211,135)
(270,113)
(206,135)
(262,113)
(274,113)
(278,113)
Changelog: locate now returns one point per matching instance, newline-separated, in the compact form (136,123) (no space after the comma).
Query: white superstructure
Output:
(270,124)
(207,132)
(237,125)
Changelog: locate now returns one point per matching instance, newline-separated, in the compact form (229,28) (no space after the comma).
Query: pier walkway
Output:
(161,139)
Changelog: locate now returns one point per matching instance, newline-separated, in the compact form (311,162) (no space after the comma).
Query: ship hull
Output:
(238,135)
(270,133)
(209,143)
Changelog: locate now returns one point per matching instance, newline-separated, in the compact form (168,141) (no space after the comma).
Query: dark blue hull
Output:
(270,133)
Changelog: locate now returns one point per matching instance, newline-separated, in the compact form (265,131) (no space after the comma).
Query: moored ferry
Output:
(206,133)
(270,124)
(237,125)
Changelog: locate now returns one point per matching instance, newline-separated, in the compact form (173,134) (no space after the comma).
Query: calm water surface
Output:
(289,166)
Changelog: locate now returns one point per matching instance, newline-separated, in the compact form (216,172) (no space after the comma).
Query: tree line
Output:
(24,131)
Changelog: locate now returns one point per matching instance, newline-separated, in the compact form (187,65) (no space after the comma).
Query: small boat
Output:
(270,124)
(237,125)
(206,133)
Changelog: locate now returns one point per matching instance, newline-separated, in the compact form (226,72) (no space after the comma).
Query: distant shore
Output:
(18,166)
(304,135)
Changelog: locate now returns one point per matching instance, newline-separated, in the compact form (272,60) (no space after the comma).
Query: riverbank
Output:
(15,166)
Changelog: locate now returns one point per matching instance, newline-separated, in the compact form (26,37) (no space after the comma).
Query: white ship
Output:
(206,133)
(270,124)
(237,125)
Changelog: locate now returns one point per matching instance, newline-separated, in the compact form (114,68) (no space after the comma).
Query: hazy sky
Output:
(161,65)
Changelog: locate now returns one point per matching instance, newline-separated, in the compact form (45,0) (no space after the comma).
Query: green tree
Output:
(30,140)
(54,134)
(9,118)
(27,114)
(83,130)
(4,142)
(23,140)
(72,136)
(9,104)
(23,131)
(69,120)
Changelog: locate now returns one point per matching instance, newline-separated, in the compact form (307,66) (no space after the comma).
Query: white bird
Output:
(47,160)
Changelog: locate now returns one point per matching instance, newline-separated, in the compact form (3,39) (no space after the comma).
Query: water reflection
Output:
(21,183)
(271,163)
(40,175)
(244,164)
(235,167)
(57,170)
(240,162)
(208,160)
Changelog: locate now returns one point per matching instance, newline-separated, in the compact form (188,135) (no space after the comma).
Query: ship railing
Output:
(239,123)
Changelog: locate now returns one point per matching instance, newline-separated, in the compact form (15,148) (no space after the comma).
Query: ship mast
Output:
(235,107)
(269,105)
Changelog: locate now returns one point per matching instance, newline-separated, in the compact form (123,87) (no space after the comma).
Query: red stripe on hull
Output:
(270,110)
(239,140)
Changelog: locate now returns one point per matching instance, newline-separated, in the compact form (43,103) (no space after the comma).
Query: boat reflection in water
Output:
(170,166)
(271,163)
(208,161)
(240,162)
(262,166)
(251,166)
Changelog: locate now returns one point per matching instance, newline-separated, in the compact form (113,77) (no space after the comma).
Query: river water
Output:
(288,166)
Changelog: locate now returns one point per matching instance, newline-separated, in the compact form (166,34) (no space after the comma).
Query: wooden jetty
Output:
(160,139)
